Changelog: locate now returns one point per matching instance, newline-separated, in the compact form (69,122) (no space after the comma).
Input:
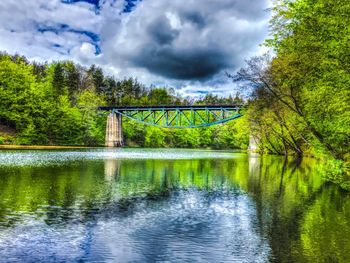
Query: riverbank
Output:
(39,147)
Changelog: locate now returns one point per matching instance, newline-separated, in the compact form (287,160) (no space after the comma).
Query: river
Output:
(165,205)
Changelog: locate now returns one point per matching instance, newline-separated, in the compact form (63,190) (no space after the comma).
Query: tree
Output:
(98,78)
(73,82)
(58,80)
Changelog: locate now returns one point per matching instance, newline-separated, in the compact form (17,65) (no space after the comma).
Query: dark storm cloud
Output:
(161,32)
(195,17)
(182,64)
(190,40)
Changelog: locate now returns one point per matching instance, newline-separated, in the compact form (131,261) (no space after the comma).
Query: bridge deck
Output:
(171,107)
(177,116)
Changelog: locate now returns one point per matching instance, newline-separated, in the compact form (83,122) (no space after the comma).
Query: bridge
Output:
(196,116)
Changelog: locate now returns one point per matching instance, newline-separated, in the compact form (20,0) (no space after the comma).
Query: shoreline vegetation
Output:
(54,147)
(298,101)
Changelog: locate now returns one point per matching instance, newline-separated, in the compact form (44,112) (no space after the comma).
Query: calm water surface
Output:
(168,206)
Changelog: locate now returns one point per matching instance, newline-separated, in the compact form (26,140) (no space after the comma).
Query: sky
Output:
(187,45)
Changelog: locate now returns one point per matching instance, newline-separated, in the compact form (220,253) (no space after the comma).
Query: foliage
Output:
(337,172)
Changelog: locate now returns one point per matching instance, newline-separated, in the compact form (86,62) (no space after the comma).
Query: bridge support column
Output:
(114,132)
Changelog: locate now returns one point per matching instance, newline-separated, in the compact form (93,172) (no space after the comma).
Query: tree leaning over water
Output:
(301,98)
(301,95)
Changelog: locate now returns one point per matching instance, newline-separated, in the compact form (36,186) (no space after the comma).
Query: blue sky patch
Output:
(93,2)
(202,92)
(130,5)
(60,28)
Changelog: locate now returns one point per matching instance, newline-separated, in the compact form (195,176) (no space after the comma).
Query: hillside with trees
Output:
(56,104)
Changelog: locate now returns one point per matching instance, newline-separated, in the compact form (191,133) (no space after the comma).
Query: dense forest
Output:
(56,104)
(300,103)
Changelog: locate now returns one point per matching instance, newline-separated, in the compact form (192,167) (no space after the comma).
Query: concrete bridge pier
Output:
(114,132)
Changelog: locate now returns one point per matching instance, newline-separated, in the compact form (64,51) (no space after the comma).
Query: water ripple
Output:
(188,226)
(44,157)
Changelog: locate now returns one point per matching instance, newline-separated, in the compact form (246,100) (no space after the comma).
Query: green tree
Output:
(311,42)
(58,80)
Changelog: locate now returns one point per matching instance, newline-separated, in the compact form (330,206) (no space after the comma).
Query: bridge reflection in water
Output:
(196,116)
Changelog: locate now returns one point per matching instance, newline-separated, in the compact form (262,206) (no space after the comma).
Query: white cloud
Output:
(84,53)
(45,30)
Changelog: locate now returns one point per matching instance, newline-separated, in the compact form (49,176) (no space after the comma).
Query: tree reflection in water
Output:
(285,202)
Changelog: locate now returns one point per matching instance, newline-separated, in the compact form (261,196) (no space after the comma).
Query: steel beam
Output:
(178,116)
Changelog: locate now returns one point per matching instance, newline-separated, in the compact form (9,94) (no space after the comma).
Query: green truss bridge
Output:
(195,116)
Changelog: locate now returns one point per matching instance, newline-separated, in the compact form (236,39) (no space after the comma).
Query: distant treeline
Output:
(56,104)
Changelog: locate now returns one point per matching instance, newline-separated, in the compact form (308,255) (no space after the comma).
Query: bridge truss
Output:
(196,116)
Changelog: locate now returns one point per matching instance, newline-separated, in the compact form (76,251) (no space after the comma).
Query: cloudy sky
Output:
(184,44)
